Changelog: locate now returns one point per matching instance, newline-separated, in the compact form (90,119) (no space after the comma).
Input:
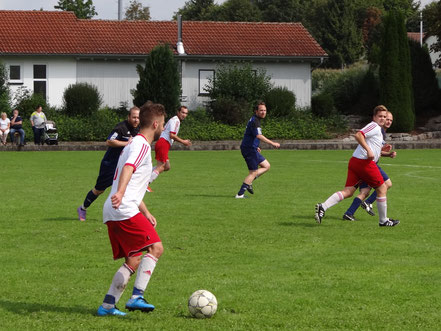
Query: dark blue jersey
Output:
(122,132)
(250,137)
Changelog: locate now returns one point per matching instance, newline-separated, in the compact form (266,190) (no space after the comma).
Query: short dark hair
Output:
(149,111)
(38,106)
(180,108)
(259,103)
(379,108)
(133,109)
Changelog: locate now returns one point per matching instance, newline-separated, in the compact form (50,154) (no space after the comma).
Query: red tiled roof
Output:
(61,33)
(415,36)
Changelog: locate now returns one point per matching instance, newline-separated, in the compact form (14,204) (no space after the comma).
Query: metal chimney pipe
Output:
(180,44)
(120,10)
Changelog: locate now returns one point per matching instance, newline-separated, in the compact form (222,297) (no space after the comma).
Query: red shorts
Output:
(132,236)
(162,147)
(363,170)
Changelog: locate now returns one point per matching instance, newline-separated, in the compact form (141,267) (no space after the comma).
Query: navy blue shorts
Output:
(383,174)
(252,157)
(105,177)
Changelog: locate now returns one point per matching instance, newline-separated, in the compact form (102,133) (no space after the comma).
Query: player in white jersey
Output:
(362,167)
(168,136)
(130,225)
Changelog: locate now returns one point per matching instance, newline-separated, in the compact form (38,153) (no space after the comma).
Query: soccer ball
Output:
(202,304)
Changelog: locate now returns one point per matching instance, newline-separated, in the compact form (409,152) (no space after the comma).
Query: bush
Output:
(322,105)
(280,102)
(5,97)
(81,99)
(26,102)
(229,111)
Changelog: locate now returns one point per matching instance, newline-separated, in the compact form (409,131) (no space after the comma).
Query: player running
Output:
(364,188)
(130,225)
(362,167)
(120,136)
(166,140)
(257,164)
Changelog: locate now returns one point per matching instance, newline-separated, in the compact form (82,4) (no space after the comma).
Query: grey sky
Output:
(108,9)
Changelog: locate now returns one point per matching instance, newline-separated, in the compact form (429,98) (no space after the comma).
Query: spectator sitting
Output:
(4,128)
(38,118)
(17,126)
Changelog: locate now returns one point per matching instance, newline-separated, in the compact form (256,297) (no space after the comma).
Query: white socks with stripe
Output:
(382,209)
(119,283)
(154,175)
(145,270)
(333,200)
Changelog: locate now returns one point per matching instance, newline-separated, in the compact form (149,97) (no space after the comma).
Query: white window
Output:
(204,79)
(15,74)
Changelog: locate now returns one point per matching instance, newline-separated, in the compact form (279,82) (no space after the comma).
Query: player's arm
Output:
(143,209)
(124,179)
(117,143)
(185,142)
(264,139)
(359,137)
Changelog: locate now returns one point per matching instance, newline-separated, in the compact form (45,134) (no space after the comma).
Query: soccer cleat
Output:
(149,189)
(139,303)
(390,222)
(110,312)
(349,217)
(240,196)
(250,189)
(319,213)
(368,207)
(81,214)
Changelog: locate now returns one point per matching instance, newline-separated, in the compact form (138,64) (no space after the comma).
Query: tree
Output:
(425,85)
(395,72)
(281,10)
(432,18)
(197,10)
(5,96)
(339,35)
(159,80)
(135,11)
(238,11)
(81,8)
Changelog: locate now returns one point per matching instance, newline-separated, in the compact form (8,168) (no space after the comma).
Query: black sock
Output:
(90,197)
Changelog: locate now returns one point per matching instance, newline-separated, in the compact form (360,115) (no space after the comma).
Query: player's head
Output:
(152,115)
(133,117)
(380,114)
(182,112)
(260,109)
(389,120)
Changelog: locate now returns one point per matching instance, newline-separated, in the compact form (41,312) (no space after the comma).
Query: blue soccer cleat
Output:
(109,312)
(139,303)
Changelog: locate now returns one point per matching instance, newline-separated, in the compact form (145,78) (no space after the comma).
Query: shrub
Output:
(280,102)
(5,105)
(322,105)
(229,111)
(81,99)
(26,102)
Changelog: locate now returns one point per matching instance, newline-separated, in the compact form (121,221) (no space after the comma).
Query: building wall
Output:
(114,79)
(60,72)
(296,77)
(433,55)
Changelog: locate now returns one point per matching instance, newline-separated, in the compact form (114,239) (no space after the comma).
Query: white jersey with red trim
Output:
(172,126)
(136,154)
(374,139)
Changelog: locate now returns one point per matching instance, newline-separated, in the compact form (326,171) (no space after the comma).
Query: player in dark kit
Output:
(257,164)
(120,136)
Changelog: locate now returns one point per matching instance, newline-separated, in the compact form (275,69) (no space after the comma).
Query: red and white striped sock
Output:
(333,200)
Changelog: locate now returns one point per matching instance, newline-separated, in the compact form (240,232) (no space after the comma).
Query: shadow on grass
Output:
(66,219)
(31,307)
(211,196)
(306,221)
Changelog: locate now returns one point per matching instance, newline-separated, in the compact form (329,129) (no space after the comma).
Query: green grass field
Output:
(265,258)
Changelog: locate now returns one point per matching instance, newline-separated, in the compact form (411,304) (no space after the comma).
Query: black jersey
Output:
(122,132)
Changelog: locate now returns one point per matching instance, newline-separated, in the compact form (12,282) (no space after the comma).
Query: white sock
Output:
(119,283)
(333,200)
(154,175)
(382,209)
(145,270)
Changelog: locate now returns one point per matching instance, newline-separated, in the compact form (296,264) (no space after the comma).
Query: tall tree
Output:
(81,8)
(339,34)
(136,11)
(4,89)
(238,11)
(281,10)
(395,72)
(159,80)
(197,10)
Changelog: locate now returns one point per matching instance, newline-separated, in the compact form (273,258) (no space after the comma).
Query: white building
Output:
(46,51)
